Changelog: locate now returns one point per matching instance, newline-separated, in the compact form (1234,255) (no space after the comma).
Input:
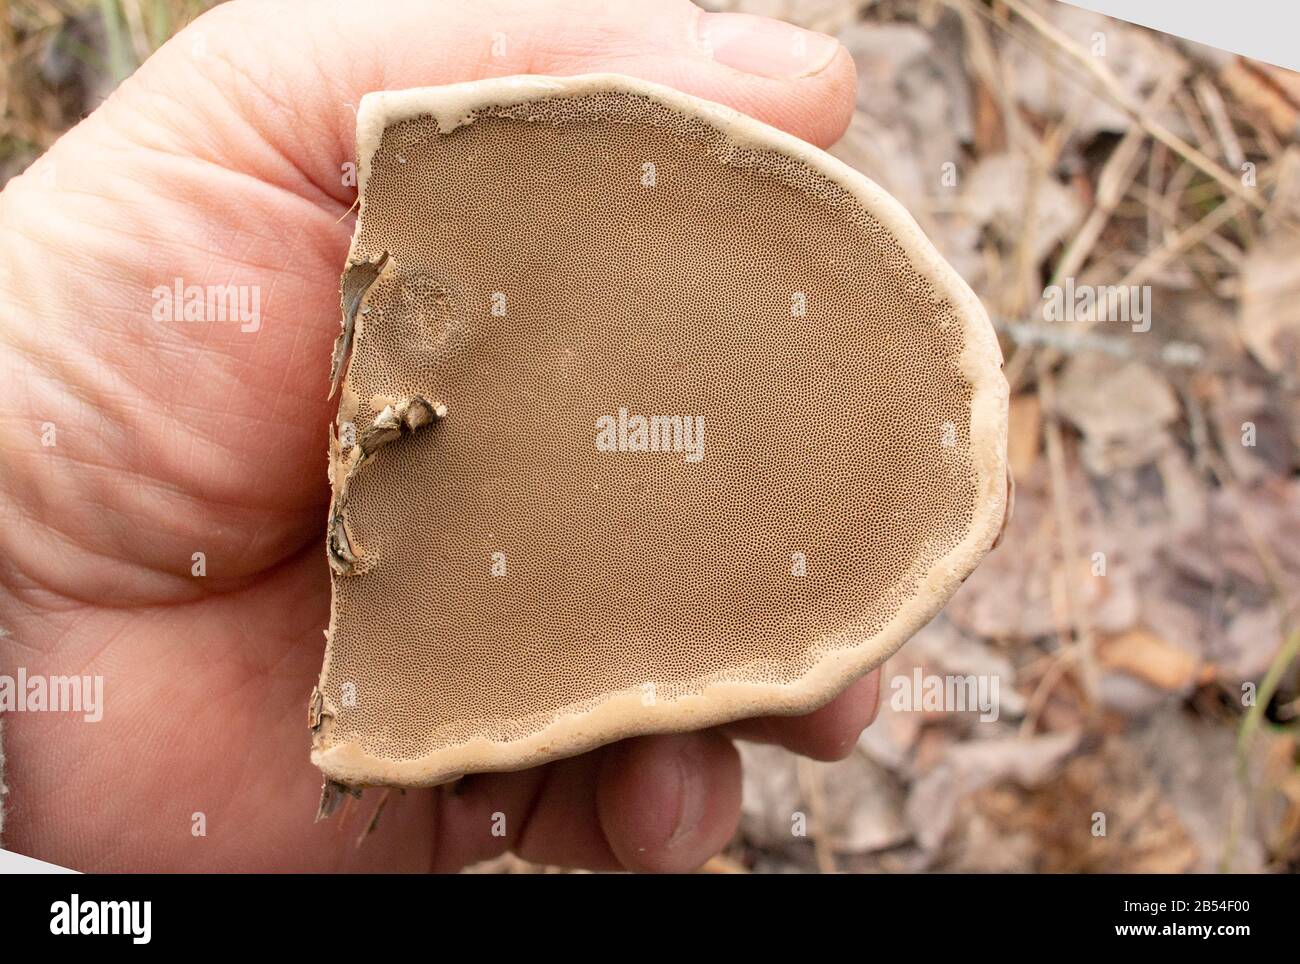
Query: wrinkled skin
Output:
(221,161)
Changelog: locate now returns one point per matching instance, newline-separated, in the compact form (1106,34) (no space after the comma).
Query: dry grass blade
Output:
(1121,98)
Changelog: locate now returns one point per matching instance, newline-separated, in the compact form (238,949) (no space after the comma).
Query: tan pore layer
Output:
(452,674)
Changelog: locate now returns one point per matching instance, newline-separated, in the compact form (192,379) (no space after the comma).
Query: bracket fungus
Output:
(653,417)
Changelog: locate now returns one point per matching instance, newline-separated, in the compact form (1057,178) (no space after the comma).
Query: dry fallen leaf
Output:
(858,810)
(1143,654)
(967,767)
(996,196)
(1273,92)
(1122,409)
(1269,320)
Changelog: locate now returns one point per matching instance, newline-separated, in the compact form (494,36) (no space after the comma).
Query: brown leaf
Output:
(1271,91)
(1151,659)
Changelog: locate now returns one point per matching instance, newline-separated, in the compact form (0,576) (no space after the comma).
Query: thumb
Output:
(292,73)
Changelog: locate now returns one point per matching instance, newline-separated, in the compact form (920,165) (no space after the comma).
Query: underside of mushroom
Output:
(651,417)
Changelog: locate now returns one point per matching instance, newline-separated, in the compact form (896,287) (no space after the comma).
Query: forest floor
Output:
(1136,633)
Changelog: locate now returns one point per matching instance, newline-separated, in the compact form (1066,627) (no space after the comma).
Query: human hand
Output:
(221,161)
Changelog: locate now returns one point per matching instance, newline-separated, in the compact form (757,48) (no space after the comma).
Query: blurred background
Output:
(1140,617)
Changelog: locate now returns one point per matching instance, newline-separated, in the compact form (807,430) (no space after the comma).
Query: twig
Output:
(1143,270)
(1121,98)
(1067,536)
(1061,660)
(988,67)
(1116,176)
(810,784)
(1212,101)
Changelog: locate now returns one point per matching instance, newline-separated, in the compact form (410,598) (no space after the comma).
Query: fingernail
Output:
(763,46)
(692,791)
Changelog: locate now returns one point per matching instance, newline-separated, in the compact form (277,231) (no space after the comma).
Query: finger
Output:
(546,815)
(829,733)
(669,803)
(658,803)
(233,66)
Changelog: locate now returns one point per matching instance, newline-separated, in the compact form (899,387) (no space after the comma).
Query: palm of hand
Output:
(172,438)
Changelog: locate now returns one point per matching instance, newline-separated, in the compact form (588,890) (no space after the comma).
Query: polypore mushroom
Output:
(655,417)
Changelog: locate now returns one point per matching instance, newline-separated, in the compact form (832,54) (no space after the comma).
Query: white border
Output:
(1267,30)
